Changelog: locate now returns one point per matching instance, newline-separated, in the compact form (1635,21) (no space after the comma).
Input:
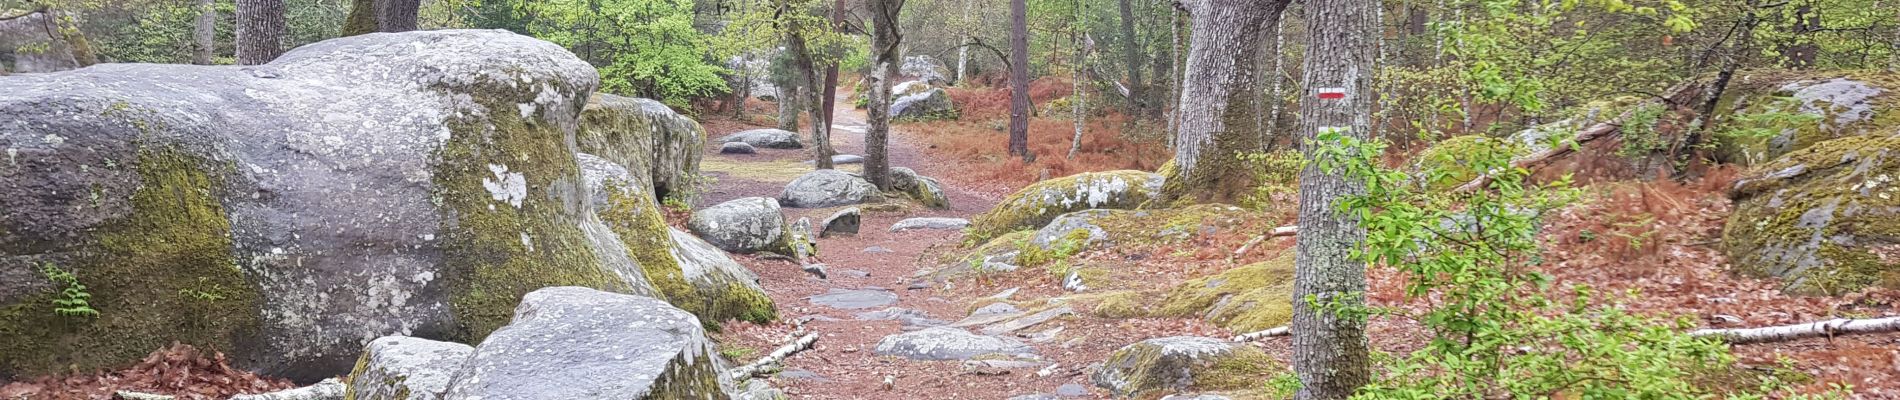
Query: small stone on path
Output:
(843,222)
(878,250)
(853,299)
(933,223)
(737,148)
(945,343)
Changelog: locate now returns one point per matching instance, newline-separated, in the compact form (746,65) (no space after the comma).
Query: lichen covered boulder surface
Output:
(579,343)
(405,368)
(743,225)
(1181,363)
(766,139)
(1036,205)
(416,183)
(1826,218)
(827,188)
(1764,116)
(644,135)
(931,104)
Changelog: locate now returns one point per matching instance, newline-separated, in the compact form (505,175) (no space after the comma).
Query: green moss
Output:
(692,375)
(1825,228)
(141,271)
(1145,366)
(1123,304)
(496,251)
(1447,160)
(1037,204)
(1753,113)
(1245,299)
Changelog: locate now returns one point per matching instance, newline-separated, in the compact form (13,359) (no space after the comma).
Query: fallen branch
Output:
(1588,134)
(749,370)
(1272,332)
(131,395)
(328,389)
(1828,328)
(1288,230)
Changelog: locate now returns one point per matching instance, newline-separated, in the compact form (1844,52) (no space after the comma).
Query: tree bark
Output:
(1217,99)
(204,35)
(1019,79)
(1081,99)
(1329,339)
(362,18)
(1829,328)
(260,31)
(397,15)
(884,41)
(823,136)
(1131,55)
(1803,52)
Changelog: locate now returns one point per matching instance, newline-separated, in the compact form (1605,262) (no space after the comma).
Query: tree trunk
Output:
(1131,55)
(1081,97)
(1803,52)
(963,52)
(1174,77)
(1275,99)
(1217,98)
(260,31)
(884,42)
(1329,338)
(204,35)
(1828,328)
(809,75)
(362,18)
(76,41)
(1019,79)
(397,15)
(788,111)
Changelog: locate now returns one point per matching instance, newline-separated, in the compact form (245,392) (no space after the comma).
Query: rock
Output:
(757,389)
(756,71)
(996,309)
(1181,363)
(1195,397)
(910,318)
(803,375)
(860,274)
(932,104)
(843,222)
(1028,321)
(579,343)
(878,250)
(924,189)
(1036,205)
(924,68)
(405,368)
(30,43)
(1072,390)
(802,240)
(841,159)
(737,148)
(721,288)
(1077,229)
(818,270)
(415,182)
(1837,105)
(826,188)
(646,136)
(907,88)
(1825,219)
(1037,396)
(766,139)
(929,223)
(853,299)
(946,343)
(744,225)
(1244,299)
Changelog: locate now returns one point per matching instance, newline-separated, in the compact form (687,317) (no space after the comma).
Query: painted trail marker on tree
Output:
(1332,93)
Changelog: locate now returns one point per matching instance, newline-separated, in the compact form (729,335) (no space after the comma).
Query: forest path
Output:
(876,267)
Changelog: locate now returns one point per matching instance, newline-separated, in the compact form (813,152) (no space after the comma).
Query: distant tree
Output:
(1217,99)
(1019,80)
(885,38)
(381,16)
(260,31)
(204,32)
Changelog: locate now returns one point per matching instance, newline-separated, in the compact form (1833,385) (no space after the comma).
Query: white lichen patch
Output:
(53,139)
(510,187)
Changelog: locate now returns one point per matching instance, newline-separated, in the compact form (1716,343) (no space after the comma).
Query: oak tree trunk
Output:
(362,18)
(204,34)
(1329,338)
(1019,79)
(260,31)
(1131,55)
(397,15)
(884,42)
(1217,99)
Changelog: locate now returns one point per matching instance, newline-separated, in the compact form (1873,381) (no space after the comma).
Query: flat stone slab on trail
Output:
(1028,321)
(929,223)
(945,343)
(909,317)
(854,299)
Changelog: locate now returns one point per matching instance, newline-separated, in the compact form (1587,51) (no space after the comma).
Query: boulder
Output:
(924,68)
(645,136)
(929,223)
(1036,205)
(1814,107)
(723,288)
(842,222)
(907,88)
(756,71)
(416,182)
(405,368)
(924,189)
(578,343)
(743,225)
(946,343)
(1073,229)
(1825,219)
(766,139)
(1243,299)
(826,188)
(29,42)
(932,104)
(1181,363)
(1446,165)
(737,148)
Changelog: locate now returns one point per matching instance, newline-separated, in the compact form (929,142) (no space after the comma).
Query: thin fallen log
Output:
(131,395)
(1288,230)
(328,389)
(1263,334)
(749,370)
(1828,328)
(1588,134)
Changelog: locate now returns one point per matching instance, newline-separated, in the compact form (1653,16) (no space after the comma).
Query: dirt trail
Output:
(842,365)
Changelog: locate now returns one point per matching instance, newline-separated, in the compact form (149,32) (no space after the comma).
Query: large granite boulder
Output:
(826,188)
(743,225)
(646,136)
(1809,108)
(1036,205)
(414,183)
(28,45)
(1181,363)
(932,104)
(723,288)
(924,68)
(1825,219)
(907,88)
(766,139)
(924,189)
(405,368)
(580,343)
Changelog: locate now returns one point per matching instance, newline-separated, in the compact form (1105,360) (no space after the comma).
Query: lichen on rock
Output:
(1181,363)
(1036,205)
(1826,218)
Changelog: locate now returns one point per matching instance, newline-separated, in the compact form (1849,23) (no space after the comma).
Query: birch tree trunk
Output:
(204,34)
(1019,80)
(1081,96)
(260,31)
(1174,77)
(1217,98)
(1329,338)
(1828,328)
(884,42)
(963,52)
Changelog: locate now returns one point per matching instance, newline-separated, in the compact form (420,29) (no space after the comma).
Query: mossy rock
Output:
(661,147)
(1249,298)
(1159,366)
(1763,116)
(1826,218)
(1447,164)
(1034,206)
